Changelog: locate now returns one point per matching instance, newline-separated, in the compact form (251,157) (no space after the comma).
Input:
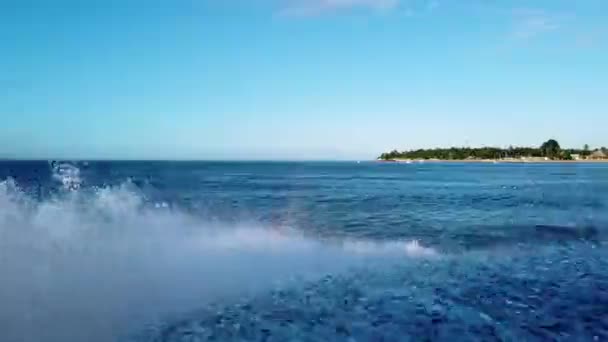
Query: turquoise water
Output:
(182,251)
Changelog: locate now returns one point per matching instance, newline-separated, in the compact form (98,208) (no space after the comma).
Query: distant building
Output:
(599,154)
(576,156)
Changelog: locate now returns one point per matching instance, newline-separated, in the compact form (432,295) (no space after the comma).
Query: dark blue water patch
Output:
(556,293)
(492,237)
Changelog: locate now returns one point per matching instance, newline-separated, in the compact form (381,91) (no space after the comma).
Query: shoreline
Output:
(495,161)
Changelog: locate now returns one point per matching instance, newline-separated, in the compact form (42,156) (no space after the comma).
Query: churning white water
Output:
(94,264)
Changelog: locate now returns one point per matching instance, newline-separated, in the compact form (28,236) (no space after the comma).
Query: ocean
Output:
(302,251)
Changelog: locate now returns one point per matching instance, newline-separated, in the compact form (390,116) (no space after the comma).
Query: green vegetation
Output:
(549,149)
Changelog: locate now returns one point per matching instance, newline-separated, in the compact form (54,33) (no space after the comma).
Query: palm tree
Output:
(586,150)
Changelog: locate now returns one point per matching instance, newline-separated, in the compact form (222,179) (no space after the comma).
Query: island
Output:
(548,151)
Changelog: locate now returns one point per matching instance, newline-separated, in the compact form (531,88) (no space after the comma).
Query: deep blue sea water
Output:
(302,251)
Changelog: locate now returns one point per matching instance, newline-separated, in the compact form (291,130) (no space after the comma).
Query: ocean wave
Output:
(98,261)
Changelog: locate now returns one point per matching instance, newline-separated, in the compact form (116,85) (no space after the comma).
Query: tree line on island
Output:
(549,149)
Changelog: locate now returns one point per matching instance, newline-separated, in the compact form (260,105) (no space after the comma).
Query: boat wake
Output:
(94,263)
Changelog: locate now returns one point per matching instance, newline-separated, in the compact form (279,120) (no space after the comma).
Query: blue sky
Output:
(298,79)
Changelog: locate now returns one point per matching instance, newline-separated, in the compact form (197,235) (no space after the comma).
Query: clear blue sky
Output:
(298,79)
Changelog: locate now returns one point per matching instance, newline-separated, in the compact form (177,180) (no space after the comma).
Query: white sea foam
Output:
(89,265)
(67,174)
(410,248)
